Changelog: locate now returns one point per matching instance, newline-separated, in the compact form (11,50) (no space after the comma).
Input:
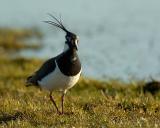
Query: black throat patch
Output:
(69,63)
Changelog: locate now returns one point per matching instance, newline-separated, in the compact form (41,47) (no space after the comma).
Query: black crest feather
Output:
(58,23)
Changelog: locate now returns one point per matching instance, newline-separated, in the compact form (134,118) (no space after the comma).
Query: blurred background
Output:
(119,39)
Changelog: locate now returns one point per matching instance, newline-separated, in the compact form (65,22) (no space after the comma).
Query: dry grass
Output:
(90,103)
(16,38)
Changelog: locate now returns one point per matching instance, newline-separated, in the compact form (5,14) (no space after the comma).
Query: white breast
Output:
(57,80)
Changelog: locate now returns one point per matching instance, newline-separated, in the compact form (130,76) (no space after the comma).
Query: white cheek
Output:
(76,42)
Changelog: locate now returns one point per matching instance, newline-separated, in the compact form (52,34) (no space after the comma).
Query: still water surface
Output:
(118,38)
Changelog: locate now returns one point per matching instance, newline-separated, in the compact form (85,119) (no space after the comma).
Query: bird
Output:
(61,72)
(153,87)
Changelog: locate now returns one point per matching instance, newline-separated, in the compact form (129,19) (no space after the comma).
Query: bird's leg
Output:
(54,103)
(62,101)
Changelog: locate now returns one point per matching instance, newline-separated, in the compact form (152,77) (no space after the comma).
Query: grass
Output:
(91,103)
(18,38)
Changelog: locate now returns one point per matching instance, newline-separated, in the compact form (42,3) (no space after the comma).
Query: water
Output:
(118,38)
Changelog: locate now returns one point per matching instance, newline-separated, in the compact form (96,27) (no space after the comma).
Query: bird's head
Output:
(71,38)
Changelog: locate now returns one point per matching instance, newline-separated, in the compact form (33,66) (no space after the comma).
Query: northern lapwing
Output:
(153,87)
(61,72)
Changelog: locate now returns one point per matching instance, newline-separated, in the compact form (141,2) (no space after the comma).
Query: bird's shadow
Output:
(5,117)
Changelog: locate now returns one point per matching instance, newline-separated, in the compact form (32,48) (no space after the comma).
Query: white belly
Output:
(57,80)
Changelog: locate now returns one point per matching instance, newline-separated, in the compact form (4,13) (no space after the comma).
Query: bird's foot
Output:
(58,112)
(66,113)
